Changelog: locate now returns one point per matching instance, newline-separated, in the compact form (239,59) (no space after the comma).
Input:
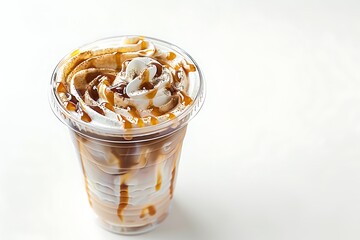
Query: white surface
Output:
(274,154)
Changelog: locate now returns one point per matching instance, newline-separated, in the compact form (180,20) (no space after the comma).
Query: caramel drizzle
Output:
(145,80)
(72,104)
(127,123)
(140,122)
(118,61)
(171,116)
(124,199)
(156,112)
(186,99)
(151,94)
(109,106)
(94,78)
(133,111)
(153,121)
(173,172)
(189,67)
(171,56)
(84,116)
(136,115)
(144,44)
(61,88)
(148,210)
(110,96)
(158,180)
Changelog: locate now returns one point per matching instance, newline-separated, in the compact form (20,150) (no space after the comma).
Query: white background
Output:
(274,153)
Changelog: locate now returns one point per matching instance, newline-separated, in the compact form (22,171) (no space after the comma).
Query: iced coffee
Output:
(127,102)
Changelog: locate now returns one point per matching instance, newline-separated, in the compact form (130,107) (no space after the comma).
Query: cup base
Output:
(136,230)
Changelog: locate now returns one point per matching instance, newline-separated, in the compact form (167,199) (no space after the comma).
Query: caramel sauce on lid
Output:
(189,68)
(171,56)
(71,106)
(133,111)
(192,67)
(144,44)
(171,116)
(85,117)
(140,122)
(153,121)
(186,99)
(127,123)
(61,88)
(135,114)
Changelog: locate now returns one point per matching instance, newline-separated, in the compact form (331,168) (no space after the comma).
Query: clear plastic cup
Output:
(129,175)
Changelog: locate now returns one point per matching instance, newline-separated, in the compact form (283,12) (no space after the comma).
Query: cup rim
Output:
(99,131)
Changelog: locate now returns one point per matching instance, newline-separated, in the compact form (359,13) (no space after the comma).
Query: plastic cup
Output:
(129,175)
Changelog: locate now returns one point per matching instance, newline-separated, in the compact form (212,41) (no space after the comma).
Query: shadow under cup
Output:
(129,174)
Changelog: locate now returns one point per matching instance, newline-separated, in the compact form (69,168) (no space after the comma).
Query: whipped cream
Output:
(133,84)
(146,83)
